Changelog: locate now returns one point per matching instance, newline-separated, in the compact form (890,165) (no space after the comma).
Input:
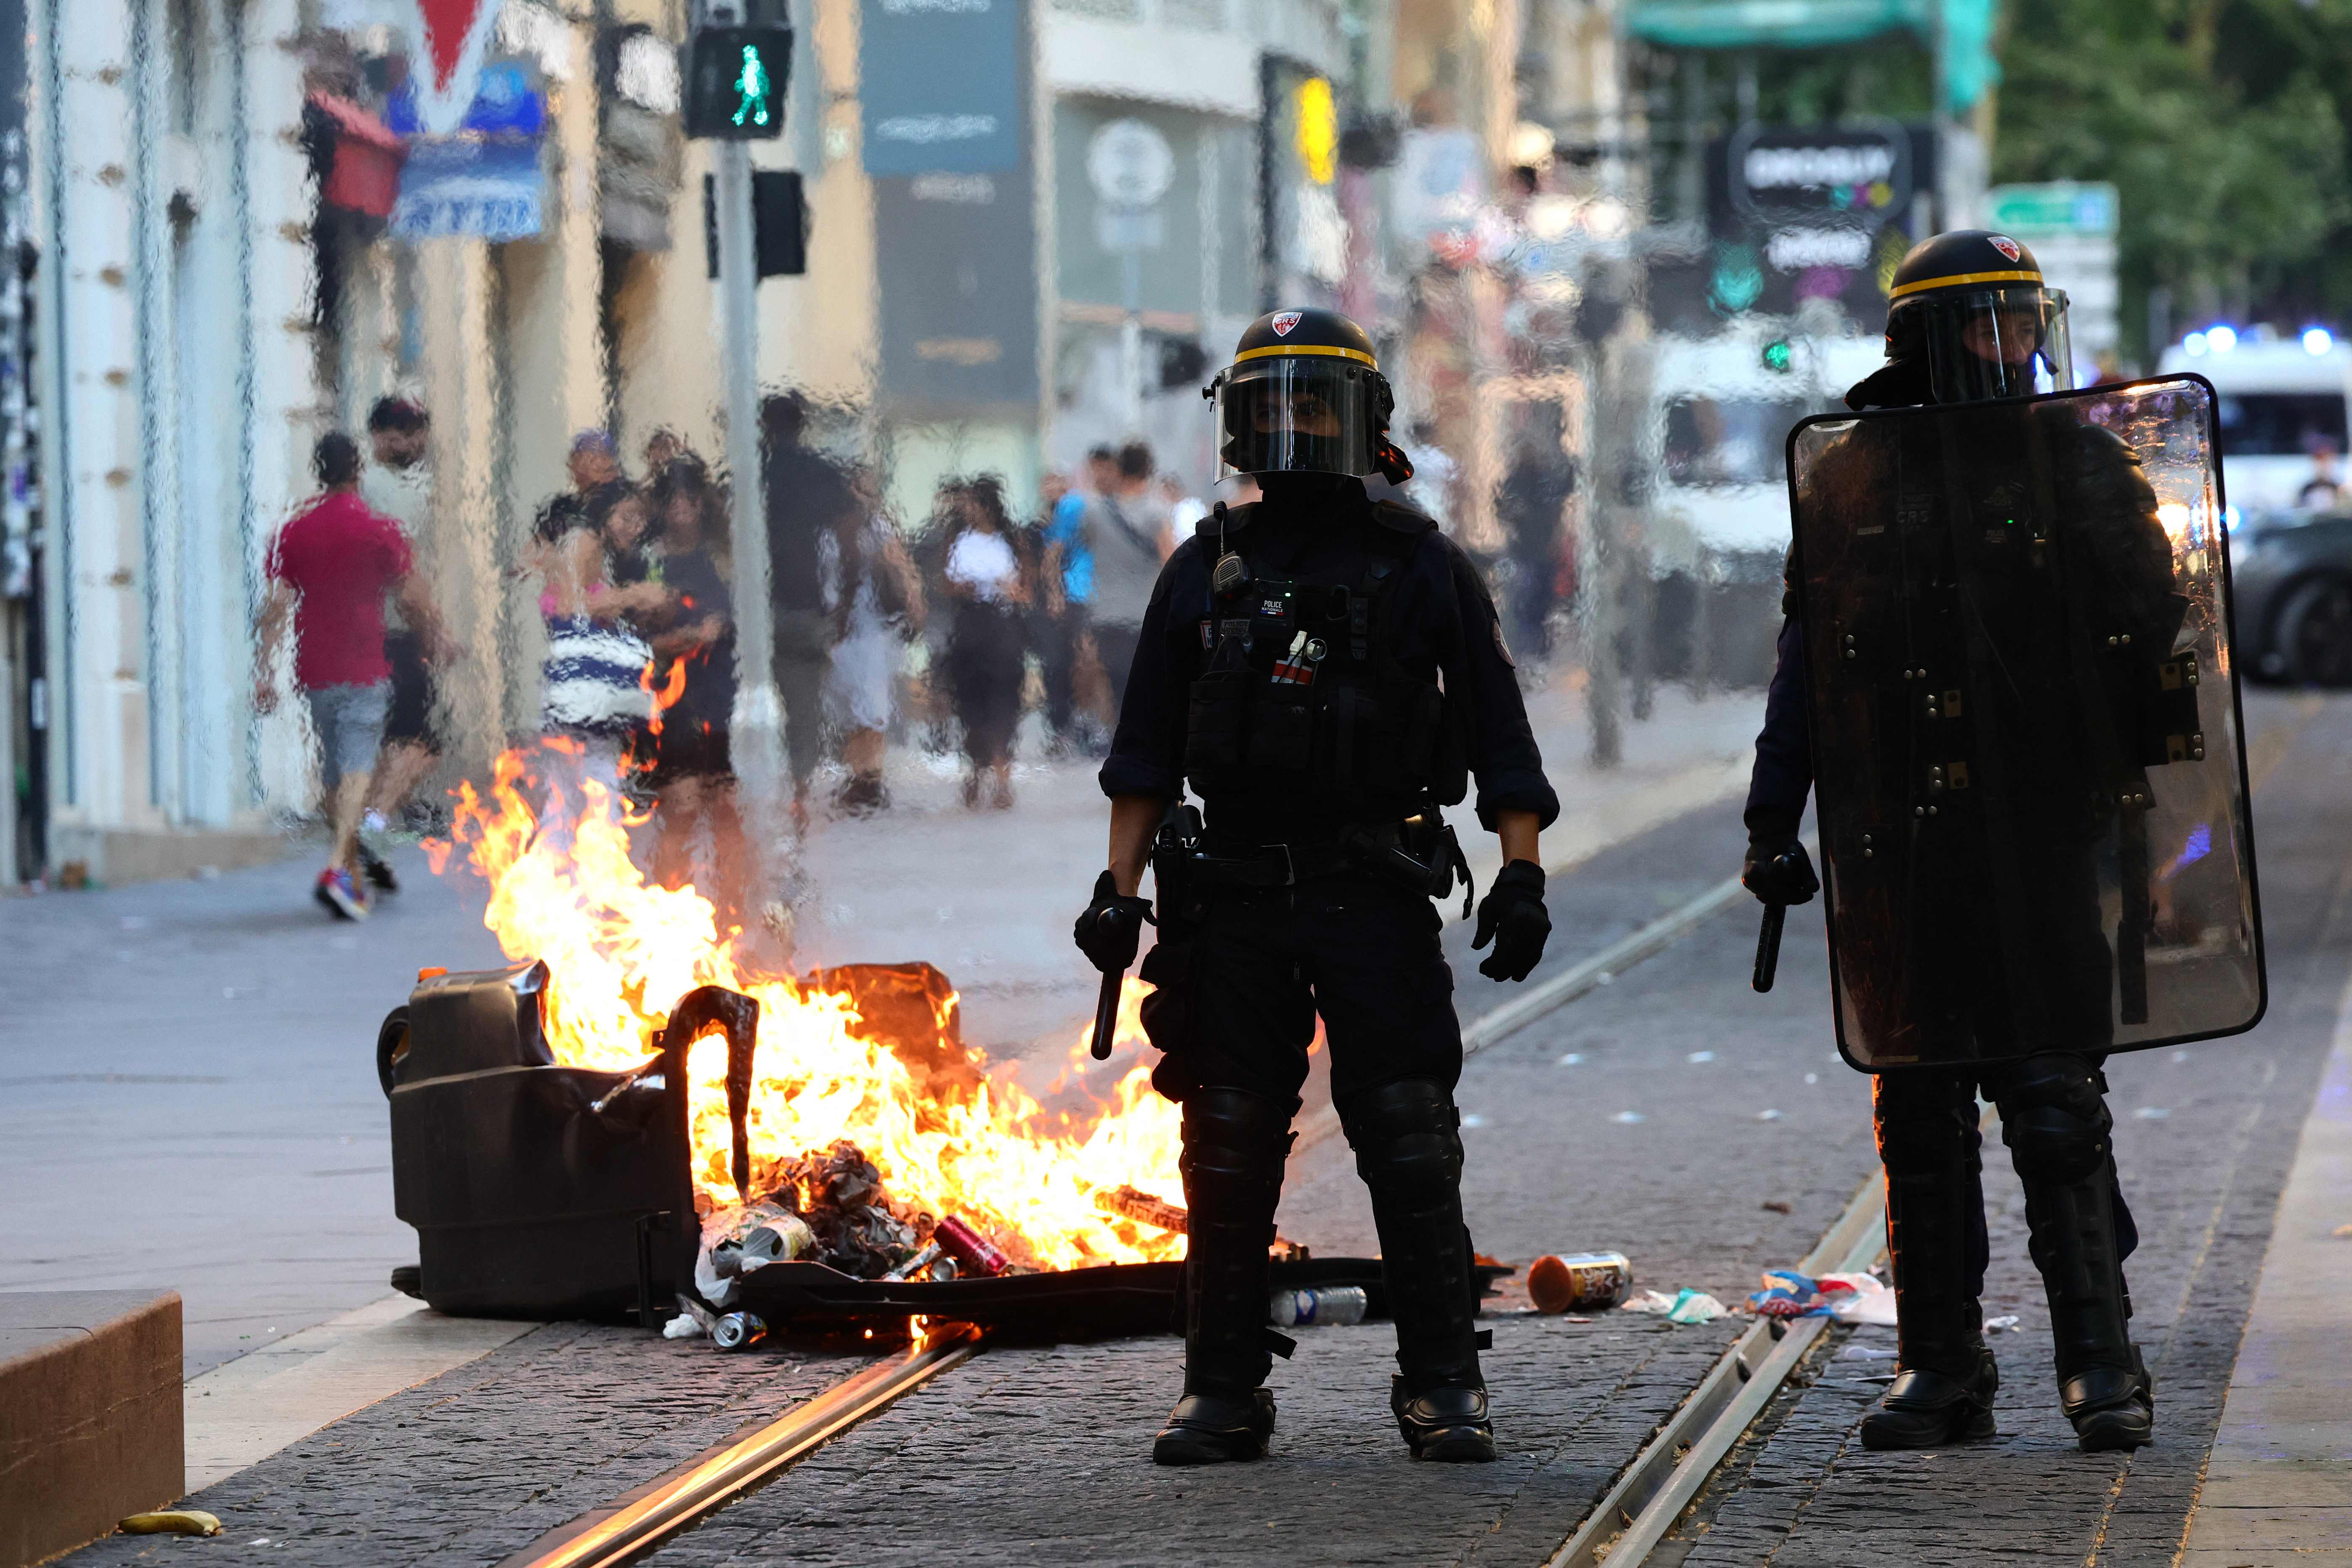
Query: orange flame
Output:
(620,950)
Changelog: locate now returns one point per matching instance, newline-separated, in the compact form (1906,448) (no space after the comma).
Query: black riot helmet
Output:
(1305,395)
(1970,309)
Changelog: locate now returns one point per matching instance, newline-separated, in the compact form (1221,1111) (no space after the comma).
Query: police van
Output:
(2281,414)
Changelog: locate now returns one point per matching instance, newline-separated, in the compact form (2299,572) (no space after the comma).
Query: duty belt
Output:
(1381,851)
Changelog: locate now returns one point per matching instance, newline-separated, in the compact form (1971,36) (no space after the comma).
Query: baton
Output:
(1106,1012)
(1767,947)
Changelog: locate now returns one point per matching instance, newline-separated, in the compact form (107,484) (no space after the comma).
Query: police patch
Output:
(1284,320)
(1501,646)
(2003,243)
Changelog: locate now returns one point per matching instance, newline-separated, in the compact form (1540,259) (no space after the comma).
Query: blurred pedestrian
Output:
(1530,505)
(594,466)
(1066,647)
(878,603)
(807,501)
(1186,510)
(594,688)
(984,660)
(399,485)
(663,447)
(693,770)
(330,570)
(2320,493)
(1128,540)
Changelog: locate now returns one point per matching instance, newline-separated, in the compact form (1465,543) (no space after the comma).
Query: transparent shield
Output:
(2025,728)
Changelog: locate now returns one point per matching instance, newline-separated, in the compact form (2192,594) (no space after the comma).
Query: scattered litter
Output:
(1572,1060)
(1777,1206)
(1629,1117)
(1580,1281)
(1848,1298)
(1702,1056)
(1768,1114)
(682,1327)
(2152,1112)
(1873,1377)
(1140,1207)
(172,1521)
(1687,1306)
(1859,1351)
(740,1330)
(1860,1299)
(1324,1306)
(2006,1321)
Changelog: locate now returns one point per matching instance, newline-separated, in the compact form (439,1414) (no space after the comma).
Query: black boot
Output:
(1409,1154)
(2056,1123)
(1945,1376)
(1235,1144)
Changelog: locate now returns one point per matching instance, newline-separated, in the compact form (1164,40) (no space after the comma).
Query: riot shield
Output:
(2027,747)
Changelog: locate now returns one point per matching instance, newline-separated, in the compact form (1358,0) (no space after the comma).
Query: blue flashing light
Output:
(2221,337)
(2193,345)
(2318,341)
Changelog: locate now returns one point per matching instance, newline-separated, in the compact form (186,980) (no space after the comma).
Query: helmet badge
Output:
(2005,245)
(1284,320)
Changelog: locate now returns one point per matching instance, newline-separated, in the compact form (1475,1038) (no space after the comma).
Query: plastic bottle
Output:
(1334,1306)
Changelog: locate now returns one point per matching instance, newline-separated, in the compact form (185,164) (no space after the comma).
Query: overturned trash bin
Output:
(539,1190)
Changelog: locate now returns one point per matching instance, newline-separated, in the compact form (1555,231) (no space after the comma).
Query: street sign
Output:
(456,34)
(2057,206)
(1130,163)
(1819,177)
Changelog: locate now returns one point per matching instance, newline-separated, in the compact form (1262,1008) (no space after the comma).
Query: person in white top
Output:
(984,658)
(399,485)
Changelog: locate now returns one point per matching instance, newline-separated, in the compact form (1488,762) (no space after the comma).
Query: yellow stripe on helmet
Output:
(1272,350)
(1955,280)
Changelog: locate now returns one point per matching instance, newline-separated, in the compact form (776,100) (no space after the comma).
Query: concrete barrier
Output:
(90,1422)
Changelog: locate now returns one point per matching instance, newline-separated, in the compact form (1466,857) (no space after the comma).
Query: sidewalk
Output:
(2278,1485)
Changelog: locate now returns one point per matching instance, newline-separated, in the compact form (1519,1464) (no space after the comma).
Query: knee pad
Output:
(1406,1135)
(1235,1135)
(2054,1119)
(1926,1125)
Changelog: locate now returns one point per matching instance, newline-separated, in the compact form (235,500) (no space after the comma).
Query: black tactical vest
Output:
(1302,699)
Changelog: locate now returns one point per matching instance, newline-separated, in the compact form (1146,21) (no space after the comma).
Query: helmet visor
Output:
(2008,342)
(1295,416)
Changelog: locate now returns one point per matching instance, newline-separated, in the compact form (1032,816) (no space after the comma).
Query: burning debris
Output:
(864,1112)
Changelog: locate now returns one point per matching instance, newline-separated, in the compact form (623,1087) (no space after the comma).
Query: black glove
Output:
(1112,928)
(1512,916)
(1779,871)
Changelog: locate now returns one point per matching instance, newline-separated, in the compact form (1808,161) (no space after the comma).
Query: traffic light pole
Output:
(756,724)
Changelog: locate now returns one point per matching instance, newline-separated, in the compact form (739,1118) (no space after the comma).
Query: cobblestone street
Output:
(1671,1113)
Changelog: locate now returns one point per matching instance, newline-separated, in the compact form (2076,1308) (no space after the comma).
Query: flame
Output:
(620,950)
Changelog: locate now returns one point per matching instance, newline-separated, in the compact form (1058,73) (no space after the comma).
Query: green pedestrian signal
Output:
(1778,356)
(751,89)
(735,80)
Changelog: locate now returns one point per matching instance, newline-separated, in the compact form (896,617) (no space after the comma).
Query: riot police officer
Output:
(1325,673)
(1986,966)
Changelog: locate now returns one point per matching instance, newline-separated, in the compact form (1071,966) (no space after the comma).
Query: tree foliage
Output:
(2221,122)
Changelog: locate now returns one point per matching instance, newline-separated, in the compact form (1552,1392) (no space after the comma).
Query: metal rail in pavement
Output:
(711,1483)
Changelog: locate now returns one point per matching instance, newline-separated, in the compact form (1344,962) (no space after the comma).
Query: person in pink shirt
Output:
(330,571)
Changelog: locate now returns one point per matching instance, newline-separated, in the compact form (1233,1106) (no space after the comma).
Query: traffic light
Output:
(1778,356)
(737,63)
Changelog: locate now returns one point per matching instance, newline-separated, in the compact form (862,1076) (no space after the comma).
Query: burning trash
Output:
(767,1150)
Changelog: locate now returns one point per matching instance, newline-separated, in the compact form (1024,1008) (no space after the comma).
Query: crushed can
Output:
(1580,1281)
(970,1249)
(739,1330)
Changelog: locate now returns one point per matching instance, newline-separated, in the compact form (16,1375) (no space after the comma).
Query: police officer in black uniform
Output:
(1971,322)
(1324,672)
